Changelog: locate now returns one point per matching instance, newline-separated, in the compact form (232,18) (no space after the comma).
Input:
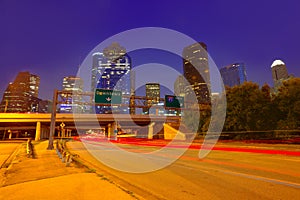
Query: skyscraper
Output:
(153,93)
(179,86)
(111,70)
(22,94)
(234,74)
(196,71)
(98,58)
(279,73)
(72,84)
(45,106)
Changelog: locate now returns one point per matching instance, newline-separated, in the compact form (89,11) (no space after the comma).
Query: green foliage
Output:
(287,101)
(205,114)
(251,108)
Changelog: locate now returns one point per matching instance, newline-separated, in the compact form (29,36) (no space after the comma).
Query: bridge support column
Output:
(150,130)
(10,134)
(112,131)
(38,131)
(69,132)
(108,130)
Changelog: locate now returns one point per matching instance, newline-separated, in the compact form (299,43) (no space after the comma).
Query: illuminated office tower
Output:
(196,71)
(97,61)
(111,70)
(73,85)
(234,74)
(153,95)
(153,91)
(45,106)
(22,94)
(279,73)
(179,86)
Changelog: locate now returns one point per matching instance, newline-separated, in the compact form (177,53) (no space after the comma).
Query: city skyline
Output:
(54,45)
(100,79)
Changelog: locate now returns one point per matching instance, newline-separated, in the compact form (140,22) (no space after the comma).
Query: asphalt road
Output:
(220,175)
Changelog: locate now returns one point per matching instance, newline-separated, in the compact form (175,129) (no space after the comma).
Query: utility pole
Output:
(53,119)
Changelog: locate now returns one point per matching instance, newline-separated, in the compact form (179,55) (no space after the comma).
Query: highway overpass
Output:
(40,122)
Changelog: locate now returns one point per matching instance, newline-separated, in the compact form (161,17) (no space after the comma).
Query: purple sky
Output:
(51,38)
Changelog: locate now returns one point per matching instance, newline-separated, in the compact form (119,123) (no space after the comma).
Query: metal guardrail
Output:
(63,153)
(275,135)
(30,149)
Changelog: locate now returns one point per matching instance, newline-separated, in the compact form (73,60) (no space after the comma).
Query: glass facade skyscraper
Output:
(234,74)
(72,84)
(196,71)
(111,70)
(179,86)
(153,93)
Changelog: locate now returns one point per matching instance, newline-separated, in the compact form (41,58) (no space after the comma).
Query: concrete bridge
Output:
(13,123)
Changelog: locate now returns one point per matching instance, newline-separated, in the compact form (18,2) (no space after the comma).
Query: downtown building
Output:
(179,86)
(279,73)
(196,71)
(234,74)
(72,85)
(111,69)
(21,95)
(152,96)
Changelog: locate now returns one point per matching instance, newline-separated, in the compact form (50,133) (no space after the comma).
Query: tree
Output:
(288,102)
(248,107)
(268,113)
(205,114)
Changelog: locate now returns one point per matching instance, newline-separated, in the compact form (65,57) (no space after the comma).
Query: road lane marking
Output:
(249,176)
(260,178)
(247,166)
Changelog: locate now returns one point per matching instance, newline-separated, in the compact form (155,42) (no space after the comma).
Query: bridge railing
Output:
(273,136)
(63,153)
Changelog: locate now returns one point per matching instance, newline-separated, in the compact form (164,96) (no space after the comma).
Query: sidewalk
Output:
(46,177)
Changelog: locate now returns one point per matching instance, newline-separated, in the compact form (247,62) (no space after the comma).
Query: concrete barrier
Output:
(63,153)
(171,133)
